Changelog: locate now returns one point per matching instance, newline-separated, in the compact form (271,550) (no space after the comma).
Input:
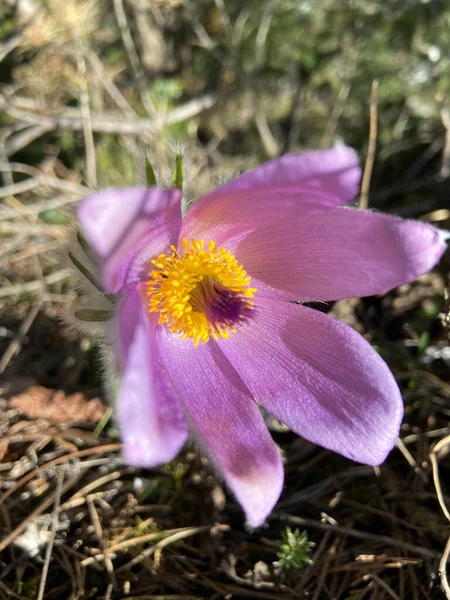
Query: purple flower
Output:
(206,322)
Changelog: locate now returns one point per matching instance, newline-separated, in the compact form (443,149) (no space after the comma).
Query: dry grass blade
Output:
(410,459)
(34,286)
(35,513)
(133,57)
(362,535)
(49,549)
(58,461)
(171,539)
(9,593)
(15,343)
(101,539)
(443,569)
(365,184)
(445,164)
(385,586)
(72,119)
(440,446)
(91,161)
(434,454)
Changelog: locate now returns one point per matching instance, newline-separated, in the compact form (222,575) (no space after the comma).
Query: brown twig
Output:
(34,286)
(440,446)
(72,120)
(35,513)
(125,544)
(51,541)
(267,138)
(410,459)
(58,461)
(16,342)
(109,86)
(385,586)
(133,57)
(91,162)
(93,485)
(370,159)
(101,539)
(171,539)
(445,164)
(4,588)
(24,138)
(443,569)
(37,207)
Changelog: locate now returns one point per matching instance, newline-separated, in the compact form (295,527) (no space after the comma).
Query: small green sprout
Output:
(177,471)
(149,172)
(141,527)
(178,172)
(294,551)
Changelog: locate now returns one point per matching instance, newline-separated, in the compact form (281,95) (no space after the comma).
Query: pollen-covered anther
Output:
(201,293)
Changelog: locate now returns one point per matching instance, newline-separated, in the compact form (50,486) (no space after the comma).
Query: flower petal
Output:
(128,227)
(335,254)
(219,218)
(151,417)
(299,184)
(226,417)
(319,377)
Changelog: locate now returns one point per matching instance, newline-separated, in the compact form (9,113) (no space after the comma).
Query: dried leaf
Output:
(39,402)
(3,448)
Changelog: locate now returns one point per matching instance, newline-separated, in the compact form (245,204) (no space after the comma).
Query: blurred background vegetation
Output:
(89,85)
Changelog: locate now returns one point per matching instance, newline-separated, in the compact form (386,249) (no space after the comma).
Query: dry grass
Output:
(119,532)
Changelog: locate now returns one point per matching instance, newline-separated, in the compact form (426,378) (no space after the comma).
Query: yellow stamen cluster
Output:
(190,291)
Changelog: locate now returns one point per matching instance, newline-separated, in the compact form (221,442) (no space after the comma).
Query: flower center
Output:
(205,292)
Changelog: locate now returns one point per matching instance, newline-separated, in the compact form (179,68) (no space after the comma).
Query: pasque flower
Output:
(209,322)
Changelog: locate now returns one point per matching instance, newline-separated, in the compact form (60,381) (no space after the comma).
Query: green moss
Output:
(115,166)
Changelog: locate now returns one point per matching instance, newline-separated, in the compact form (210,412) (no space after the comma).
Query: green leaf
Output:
(149,172)
(178,172)
(83,243)
(104,420)
(54,217)
(93,315)
(424,342)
